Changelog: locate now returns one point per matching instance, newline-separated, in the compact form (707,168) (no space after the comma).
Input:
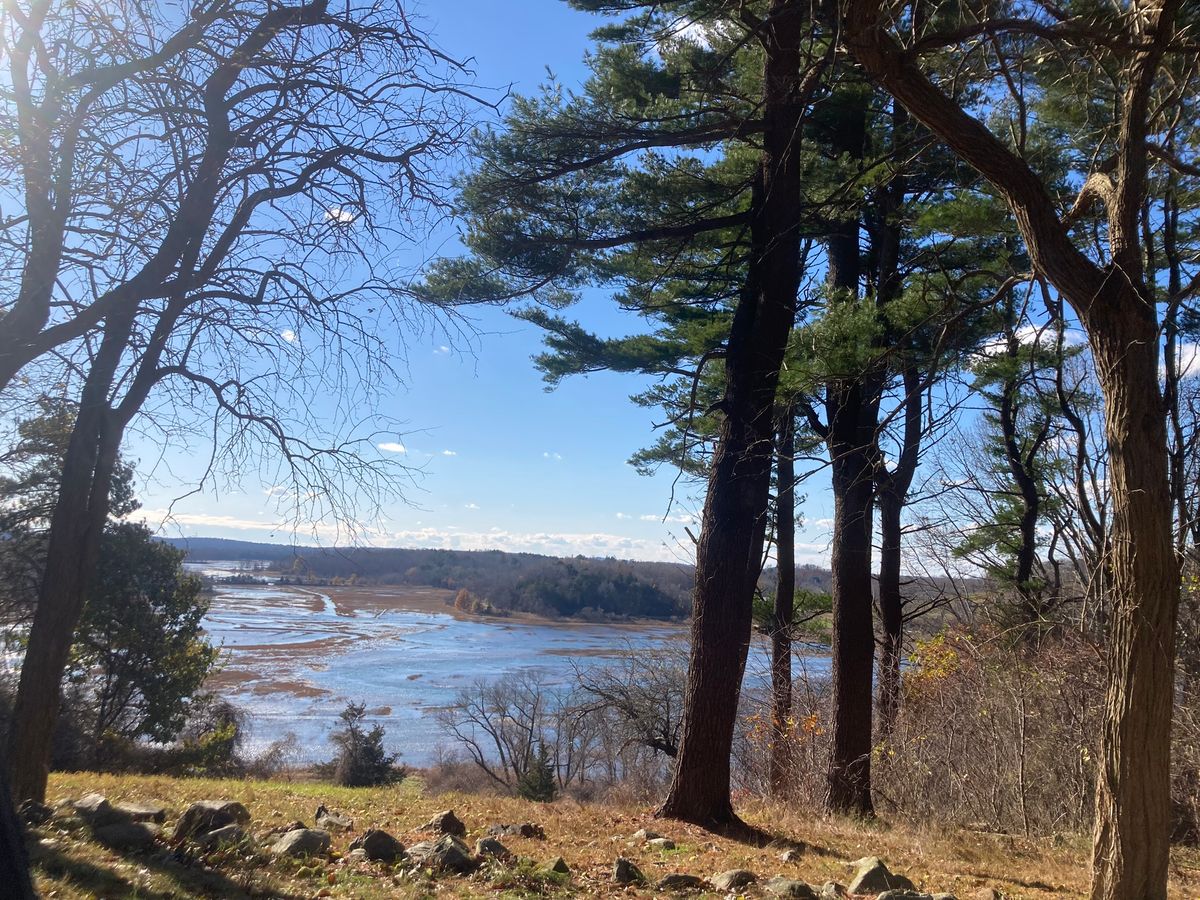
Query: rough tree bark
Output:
(852,414)
(1131,838)
(729,552)
(785,597)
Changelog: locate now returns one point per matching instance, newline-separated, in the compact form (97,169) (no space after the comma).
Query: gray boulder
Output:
(97,811)
(789,887)
(302,842)
(127,835)
(987,894)
(447,854)
(645,834)
(446,822)
(680,882)
(625,872)
(379,846)
(525,830)
(225,836)
(831,890)
(791,855)
(660,843)
(873,877)
(142,812)
(489,846)
(332,821)
(733,880)
(204,816)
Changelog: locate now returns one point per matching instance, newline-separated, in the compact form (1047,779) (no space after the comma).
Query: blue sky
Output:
(504,463)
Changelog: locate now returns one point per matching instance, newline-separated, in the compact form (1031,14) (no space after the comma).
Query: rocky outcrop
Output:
(447,854)
(127,835)
(378,846)
(303,842)
(873,877)
(489,846)
(625,872)
(226,836)
(333,821)
(790,887)
(733,880)
(446,822)
(204,816)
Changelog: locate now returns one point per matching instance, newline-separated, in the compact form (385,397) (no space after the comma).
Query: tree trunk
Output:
(76,528)
(891,610)
(729,552)
(1133,798)
(851,427)
(785,596)
(14,862)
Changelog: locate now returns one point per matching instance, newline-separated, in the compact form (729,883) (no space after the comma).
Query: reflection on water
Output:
(295,656)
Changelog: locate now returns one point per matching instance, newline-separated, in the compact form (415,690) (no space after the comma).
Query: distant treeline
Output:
(578,587)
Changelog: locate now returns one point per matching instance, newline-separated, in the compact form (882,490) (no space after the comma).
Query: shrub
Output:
(361,760)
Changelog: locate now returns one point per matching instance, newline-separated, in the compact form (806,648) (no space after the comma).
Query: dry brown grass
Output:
(588,836)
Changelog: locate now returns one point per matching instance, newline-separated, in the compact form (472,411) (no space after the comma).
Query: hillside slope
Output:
(589,837)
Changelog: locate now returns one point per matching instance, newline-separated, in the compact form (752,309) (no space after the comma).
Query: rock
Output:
(358,854)
(142,812)
(660,843)
(625,872)
(733,879)
(448,853)
(97,811)
(302,842)
(944,897)
(680,882)
(204,816)
(224,836)
(33,813)
(332,821)
(127,835)
(558,865)
(645,834)
(987,894)
(445,822)
(873,877)
(379,846)
(525,830)
(489,846)
(789,887)
(831,890)
(903,895)
(791,855)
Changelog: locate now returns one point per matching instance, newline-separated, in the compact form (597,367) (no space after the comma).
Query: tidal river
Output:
(295,656)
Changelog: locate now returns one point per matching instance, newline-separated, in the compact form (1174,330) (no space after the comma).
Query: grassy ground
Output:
(588,836)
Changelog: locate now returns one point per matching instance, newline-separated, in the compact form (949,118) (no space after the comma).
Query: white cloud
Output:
(682,519)
(393,447)
(624,516)
(340,215)
(288,335)
(470,506)
(1187,360)
(557,457)
(449,453)
(442,349)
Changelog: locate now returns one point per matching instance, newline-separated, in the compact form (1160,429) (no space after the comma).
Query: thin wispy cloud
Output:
(551,455)
(393,447)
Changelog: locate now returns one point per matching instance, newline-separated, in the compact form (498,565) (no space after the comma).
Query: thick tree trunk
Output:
(729,552)
(785,596)
(1131,841)
(851,429)
(14,862)
(76,529)
(891,610)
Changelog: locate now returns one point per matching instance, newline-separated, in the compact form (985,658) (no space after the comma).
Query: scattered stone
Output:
(987,894)
(790,887)
(33,813)
(358,854)
(558,865)
(733,879)
(127,835)
(204,816)
(445,822)
(525,830)
(661,843)
(302,842)
(680,882)
(142,812)
(831,890)
(226,835)
(625,872)
(873,877)
(944,897)
(489,846)
(908,895)
(645,834)
(97,811)
(791,855)
(448,853)
(332,821)
(379,846)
